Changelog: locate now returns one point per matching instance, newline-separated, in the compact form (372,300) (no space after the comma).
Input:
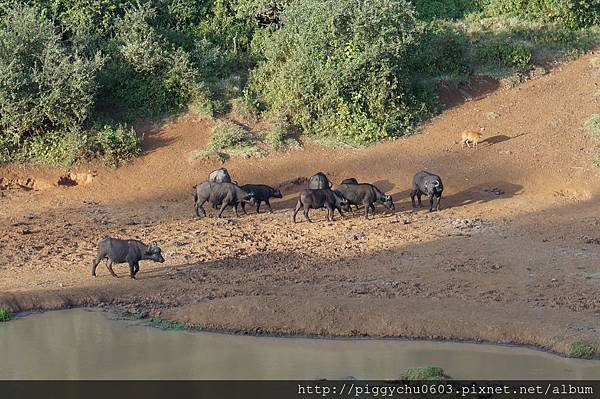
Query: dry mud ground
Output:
(513,256)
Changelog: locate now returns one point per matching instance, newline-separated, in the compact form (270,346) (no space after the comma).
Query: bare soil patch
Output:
(511,257)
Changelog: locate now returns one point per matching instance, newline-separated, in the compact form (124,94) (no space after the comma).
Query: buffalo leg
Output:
(340,211)
(235,206)
(258,206)
(330,214)
(269,205)
(109,264)
(200,208)
(419,195)
(413,193)
(132,266)
(223,206)
(438,203)
(366,205)
(306,209)
(136,268)
(372,206)
(244,207)
(298,206)
(431,203)
(95,265)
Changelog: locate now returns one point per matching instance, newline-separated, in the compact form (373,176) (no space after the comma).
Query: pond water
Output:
(91,344)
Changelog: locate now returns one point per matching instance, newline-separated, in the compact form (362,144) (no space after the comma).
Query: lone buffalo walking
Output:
(115,250)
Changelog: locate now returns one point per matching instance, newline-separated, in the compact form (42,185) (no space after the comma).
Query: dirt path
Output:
(514,256)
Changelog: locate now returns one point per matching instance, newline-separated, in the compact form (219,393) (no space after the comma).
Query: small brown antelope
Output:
(470,136)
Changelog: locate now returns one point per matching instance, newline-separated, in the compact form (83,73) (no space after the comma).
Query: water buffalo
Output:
(351,180)
(225,194)
(428,184)
(220,175)
(260,193)
(364,194)
(319,181)
(115,250)
(320,198)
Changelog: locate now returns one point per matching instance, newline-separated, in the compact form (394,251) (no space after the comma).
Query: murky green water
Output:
(82,344)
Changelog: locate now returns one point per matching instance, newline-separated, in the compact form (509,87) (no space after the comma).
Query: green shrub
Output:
(583,349)
(425,373)
(203,105)
(227,135)
(245,109)
(45,87)
(592,124)
(445,9)
(147,74)
(440,53)
(338,68)
(503,53)
(279,138)
(61,149)
(571,13)
(4,314)
(117,144)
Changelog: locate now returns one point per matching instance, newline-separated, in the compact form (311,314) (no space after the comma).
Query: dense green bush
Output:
(117,144)
(572,13)
(441,52)
(516,55)
(146,73)
(445,9)
(339,68)
(346,71)
(229,135)
(46,88)
(279,136)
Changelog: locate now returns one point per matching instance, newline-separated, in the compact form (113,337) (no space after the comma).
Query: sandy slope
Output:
(512,257)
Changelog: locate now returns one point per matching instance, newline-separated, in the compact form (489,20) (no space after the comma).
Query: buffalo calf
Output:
(260,193)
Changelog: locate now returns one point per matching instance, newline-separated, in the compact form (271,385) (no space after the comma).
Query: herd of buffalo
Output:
(221,191)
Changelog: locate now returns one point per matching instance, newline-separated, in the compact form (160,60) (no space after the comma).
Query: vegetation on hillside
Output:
(73,75)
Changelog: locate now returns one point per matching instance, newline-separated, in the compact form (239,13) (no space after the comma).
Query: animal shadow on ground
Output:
(496,139)
(481,193)
(477,194)
(500,138)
